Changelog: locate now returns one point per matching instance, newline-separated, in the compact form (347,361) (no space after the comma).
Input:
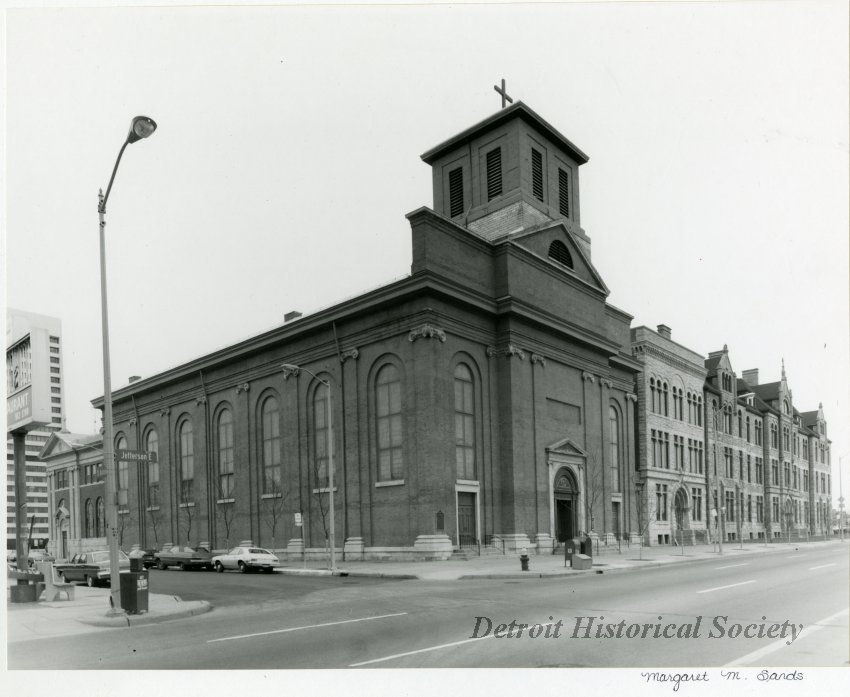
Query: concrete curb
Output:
(184,609)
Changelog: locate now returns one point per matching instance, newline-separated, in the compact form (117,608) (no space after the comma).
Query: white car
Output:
(246,559)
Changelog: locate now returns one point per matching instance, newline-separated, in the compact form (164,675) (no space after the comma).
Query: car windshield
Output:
(104,556)
(257,550)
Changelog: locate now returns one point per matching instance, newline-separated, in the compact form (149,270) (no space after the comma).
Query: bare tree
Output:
(273,506)
(645,510)
(188,517)
(125,520)
(225,510)
(155,519)
(322,495)
(593,489)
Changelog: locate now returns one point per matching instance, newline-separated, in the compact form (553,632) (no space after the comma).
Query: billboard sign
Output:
(28,382)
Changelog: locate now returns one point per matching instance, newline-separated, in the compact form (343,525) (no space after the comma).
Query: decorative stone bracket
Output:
(588,376)
(536,358)
(427,331)
(290,372)
(243,387)
(351,353)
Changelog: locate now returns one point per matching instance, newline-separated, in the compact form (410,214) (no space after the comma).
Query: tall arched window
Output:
(653,407)
(389,424)
(270,419)
(187,461)
(90,524)
(665,409)
(225,455)
(321,432)
(699,411)
(152,446)
(123,465)
(100,521)
(614,421)
(464,422)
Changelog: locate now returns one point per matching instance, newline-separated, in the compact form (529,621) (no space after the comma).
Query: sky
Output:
(287,154)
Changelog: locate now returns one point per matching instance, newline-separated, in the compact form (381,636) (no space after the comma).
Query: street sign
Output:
(134,456)
(298,522)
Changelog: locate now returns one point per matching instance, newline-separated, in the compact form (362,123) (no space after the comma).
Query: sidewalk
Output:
(546,565)
(88,611)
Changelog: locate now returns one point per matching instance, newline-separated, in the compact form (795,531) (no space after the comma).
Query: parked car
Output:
(149,558)
(246,559)
(183,558)
(90,567)
(35,555)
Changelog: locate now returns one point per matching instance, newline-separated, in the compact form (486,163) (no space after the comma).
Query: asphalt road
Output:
(271,622)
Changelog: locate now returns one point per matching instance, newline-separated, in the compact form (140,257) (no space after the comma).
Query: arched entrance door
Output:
(566,505)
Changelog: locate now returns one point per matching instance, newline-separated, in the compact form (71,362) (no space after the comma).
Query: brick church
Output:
(485,399)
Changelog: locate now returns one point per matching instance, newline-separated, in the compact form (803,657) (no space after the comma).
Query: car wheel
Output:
(161,565)
(89,581)
(242,567)
(181,566)
(219,567)
(268,569)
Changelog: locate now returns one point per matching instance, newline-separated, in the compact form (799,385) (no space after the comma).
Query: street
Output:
(783,609)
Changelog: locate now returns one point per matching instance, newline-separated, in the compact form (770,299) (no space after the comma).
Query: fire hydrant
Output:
(523,559)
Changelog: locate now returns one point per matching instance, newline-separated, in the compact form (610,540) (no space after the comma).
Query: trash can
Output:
(134,592)
(586,546)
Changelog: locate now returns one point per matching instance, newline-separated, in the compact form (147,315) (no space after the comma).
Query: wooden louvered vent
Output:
(559,252)
(537,174)
(456,192)
(564,193)
(494,174)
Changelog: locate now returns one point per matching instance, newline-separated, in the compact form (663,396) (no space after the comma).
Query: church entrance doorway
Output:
(681,507)
(565,504)
(467,534)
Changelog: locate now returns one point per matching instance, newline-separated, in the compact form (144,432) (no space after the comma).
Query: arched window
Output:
(152,446)
(464,422)
(699,410)
(389,424)
(748,429)
(123,465)
(187,461)
(559,252)
(321,433)
(100,521)
(652,395)
(90,525)
(270,420)
(225,455)
(664,404)
(614,422)
(740,424)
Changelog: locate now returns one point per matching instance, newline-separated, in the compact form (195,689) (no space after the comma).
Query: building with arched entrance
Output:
(486,398)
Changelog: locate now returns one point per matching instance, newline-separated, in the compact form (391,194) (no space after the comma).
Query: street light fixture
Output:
(291,369)
(140,127)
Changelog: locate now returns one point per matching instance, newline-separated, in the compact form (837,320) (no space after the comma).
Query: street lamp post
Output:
(140,127)
(291,369)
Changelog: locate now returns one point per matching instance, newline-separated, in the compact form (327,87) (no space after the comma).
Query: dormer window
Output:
(494,173)
(456,192)
(559,252)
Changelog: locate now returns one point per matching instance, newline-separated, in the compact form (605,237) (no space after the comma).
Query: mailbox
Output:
(571,547)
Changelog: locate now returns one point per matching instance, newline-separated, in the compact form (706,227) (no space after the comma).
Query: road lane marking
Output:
(411,653)
(822,566)
(730,566)
(797,556)
(758,654)
(731,585)
(309,626)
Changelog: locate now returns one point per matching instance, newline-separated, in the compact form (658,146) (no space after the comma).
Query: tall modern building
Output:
(18,325)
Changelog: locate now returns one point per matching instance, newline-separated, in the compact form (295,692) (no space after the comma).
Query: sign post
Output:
(299,523)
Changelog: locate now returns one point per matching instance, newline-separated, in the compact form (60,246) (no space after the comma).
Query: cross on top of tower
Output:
(503,92)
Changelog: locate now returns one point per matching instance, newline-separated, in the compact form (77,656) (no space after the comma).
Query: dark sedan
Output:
(184,558)
(91,567)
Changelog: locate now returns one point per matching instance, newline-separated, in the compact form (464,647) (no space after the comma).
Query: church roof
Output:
(516,110)
(809,418)
(768,391)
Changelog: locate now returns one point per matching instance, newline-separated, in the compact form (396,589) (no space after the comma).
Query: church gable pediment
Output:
(54,446)
(566,447)
(559,247)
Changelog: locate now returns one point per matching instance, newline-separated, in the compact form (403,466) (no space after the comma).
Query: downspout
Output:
(343,449)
